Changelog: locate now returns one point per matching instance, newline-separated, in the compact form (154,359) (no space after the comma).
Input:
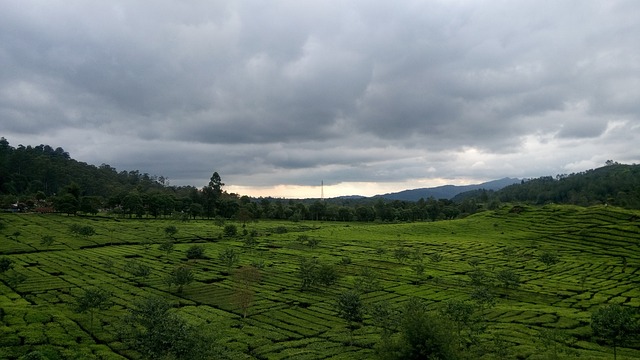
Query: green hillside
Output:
(597,251)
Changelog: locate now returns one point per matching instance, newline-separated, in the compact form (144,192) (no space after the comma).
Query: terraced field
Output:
(598,249)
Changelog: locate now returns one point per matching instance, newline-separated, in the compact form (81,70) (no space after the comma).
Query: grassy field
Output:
(598,249)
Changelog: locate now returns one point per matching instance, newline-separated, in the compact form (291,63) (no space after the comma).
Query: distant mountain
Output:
(448,191)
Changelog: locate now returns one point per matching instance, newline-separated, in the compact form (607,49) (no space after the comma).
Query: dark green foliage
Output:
(167,247)
(462,315)
(436,257)
(478,277)
(158,333)
(82,230)
(508,278)
(280,230)
(5,264)
(615,325)
(91,300)
(180,276)
(350,308)
(47,240)
(549,258)
(15,278)
(230,230)
(483,297)
(345,260)
(327,275)
(307,273)
(556,344)
(386,317)
(229,257)
(195,252)
(138,269)
(170,231)
(367,281)
(401,254)
(422,335)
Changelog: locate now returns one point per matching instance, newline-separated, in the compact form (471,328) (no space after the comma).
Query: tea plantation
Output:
(548,269)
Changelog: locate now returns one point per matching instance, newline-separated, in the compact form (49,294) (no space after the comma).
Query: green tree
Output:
(401,254)
(5,264)
(350,308)
(307,273)
(91,300)
(47,240)
(180,276)
(230,230)
(615,325)
(195,252)
(170,231)
(244,279)
(159,333)
(167,247)
(138,270)
(229,257)
(508,278)
(461,314)
(549,258)
(422,335)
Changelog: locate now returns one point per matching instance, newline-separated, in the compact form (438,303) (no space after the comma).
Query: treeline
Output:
(44,179)
(613,184)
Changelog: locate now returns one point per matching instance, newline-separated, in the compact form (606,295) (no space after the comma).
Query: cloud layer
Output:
(287,93)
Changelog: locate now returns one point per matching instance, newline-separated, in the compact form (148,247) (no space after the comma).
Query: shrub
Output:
(230,230)
(195,252)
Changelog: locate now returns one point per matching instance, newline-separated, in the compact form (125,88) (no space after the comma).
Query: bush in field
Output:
(483,298)
(195,252)
(615,325)
(137,269)
(166,247)
(422,335)
(90,301)
(229,257)
(478,277)
(170,231)
(462,314)
(508,278)
(181,276)
(367,281)
(230,230)
(82,230)
(326,275)
(436,257)
(401,254)
(47,240)
(307,273)
(386,317)
(280,230)
(5,264)
(556,344)
(244,280)
(158,333)
(419,269)
(350,308)
(313,243)
(549,258)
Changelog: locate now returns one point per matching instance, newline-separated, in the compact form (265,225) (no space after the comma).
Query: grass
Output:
(599,263)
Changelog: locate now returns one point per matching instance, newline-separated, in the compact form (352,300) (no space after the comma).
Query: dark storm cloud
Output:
(288,92)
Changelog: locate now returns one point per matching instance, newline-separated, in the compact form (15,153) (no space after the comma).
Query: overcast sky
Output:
(368,96)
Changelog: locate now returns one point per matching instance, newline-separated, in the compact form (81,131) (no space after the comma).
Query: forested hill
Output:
(614,184)
(33,169)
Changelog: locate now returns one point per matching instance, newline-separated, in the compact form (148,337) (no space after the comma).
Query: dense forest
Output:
(41,178)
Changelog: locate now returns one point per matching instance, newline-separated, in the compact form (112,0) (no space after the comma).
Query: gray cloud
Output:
(292,92)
